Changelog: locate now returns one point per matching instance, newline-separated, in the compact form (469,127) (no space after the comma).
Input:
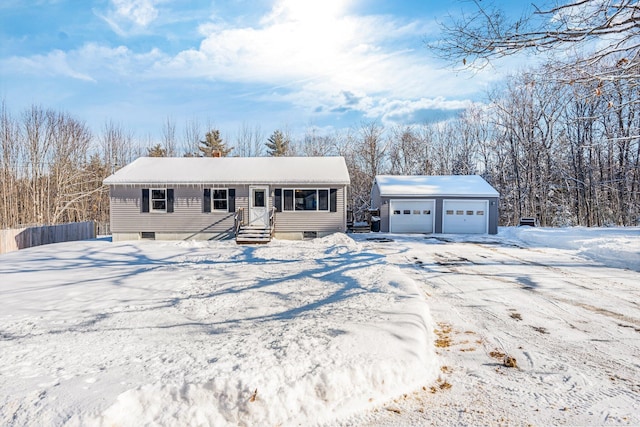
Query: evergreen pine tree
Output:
(277,144)
(213,146)
(156,151)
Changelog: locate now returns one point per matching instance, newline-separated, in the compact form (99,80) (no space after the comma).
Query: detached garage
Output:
(456,204)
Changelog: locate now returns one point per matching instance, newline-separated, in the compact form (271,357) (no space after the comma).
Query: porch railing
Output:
(272,221)
(238,221)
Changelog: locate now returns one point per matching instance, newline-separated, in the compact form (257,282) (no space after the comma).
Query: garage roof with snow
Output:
(232,170)
(441,185)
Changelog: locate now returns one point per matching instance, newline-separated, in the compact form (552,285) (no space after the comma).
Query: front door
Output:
(259,205)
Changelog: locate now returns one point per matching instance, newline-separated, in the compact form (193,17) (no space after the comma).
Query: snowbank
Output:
(616,246)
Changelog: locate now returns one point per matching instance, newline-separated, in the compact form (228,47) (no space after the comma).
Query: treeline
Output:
(564,152)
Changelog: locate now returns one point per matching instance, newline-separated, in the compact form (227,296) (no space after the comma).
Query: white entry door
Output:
(411,216)
(465,216)
(259,205)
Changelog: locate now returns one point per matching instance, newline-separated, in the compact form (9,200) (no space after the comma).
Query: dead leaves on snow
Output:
(441,384)
(444,335)
(444,338)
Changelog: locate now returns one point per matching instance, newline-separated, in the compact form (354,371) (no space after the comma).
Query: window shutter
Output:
(206,200)
(232,200)
(145,200)
(333,200)
(169,200)
(277,199)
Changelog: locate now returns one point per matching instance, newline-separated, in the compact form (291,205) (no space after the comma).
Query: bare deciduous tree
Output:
(249,141)
(191,139)
(314,144)
(169,138)
(608,29)
(365,154)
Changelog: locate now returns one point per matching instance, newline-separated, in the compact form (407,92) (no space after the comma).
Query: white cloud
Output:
(312,52)
(127,17)
(140,12)
(92,62)
(53,64)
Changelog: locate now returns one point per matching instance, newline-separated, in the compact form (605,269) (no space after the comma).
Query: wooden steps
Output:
(251,234)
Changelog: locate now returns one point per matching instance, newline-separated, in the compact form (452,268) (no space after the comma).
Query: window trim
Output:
(213,200)
(152,209)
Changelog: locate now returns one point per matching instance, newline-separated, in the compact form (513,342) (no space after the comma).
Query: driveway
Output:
(571,325)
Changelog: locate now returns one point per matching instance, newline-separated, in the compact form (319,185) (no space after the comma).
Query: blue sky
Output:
(331,64)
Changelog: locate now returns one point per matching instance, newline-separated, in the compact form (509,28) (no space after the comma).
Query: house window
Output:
(219,200)
(306,200)
(288,200)
(323,200)
(259,199)
(158,199)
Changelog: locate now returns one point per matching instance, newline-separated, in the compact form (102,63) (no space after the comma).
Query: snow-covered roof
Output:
(436,185)
(232,170)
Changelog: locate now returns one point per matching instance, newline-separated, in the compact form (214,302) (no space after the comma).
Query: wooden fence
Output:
(21,238)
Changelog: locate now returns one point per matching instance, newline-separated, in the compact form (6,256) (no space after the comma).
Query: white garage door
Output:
(465,216)
(411,216)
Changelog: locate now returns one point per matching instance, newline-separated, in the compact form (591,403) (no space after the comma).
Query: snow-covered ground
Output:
(343,330)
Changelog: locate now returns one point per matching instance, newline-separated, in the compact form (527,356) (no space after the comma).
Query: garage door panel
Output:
(465,216)
(411,216)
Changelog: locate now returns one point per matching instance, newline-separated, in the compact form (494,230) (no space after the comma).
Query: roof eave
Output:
(436,195)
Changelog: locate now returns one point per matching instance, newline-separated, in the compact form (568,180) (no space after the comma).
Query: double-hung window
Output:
(158,200)
(219,200)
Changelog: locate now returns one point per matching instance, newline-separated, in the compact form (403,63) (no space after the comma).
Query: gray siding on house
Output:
(189,221)
(187,217)
(320,222)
